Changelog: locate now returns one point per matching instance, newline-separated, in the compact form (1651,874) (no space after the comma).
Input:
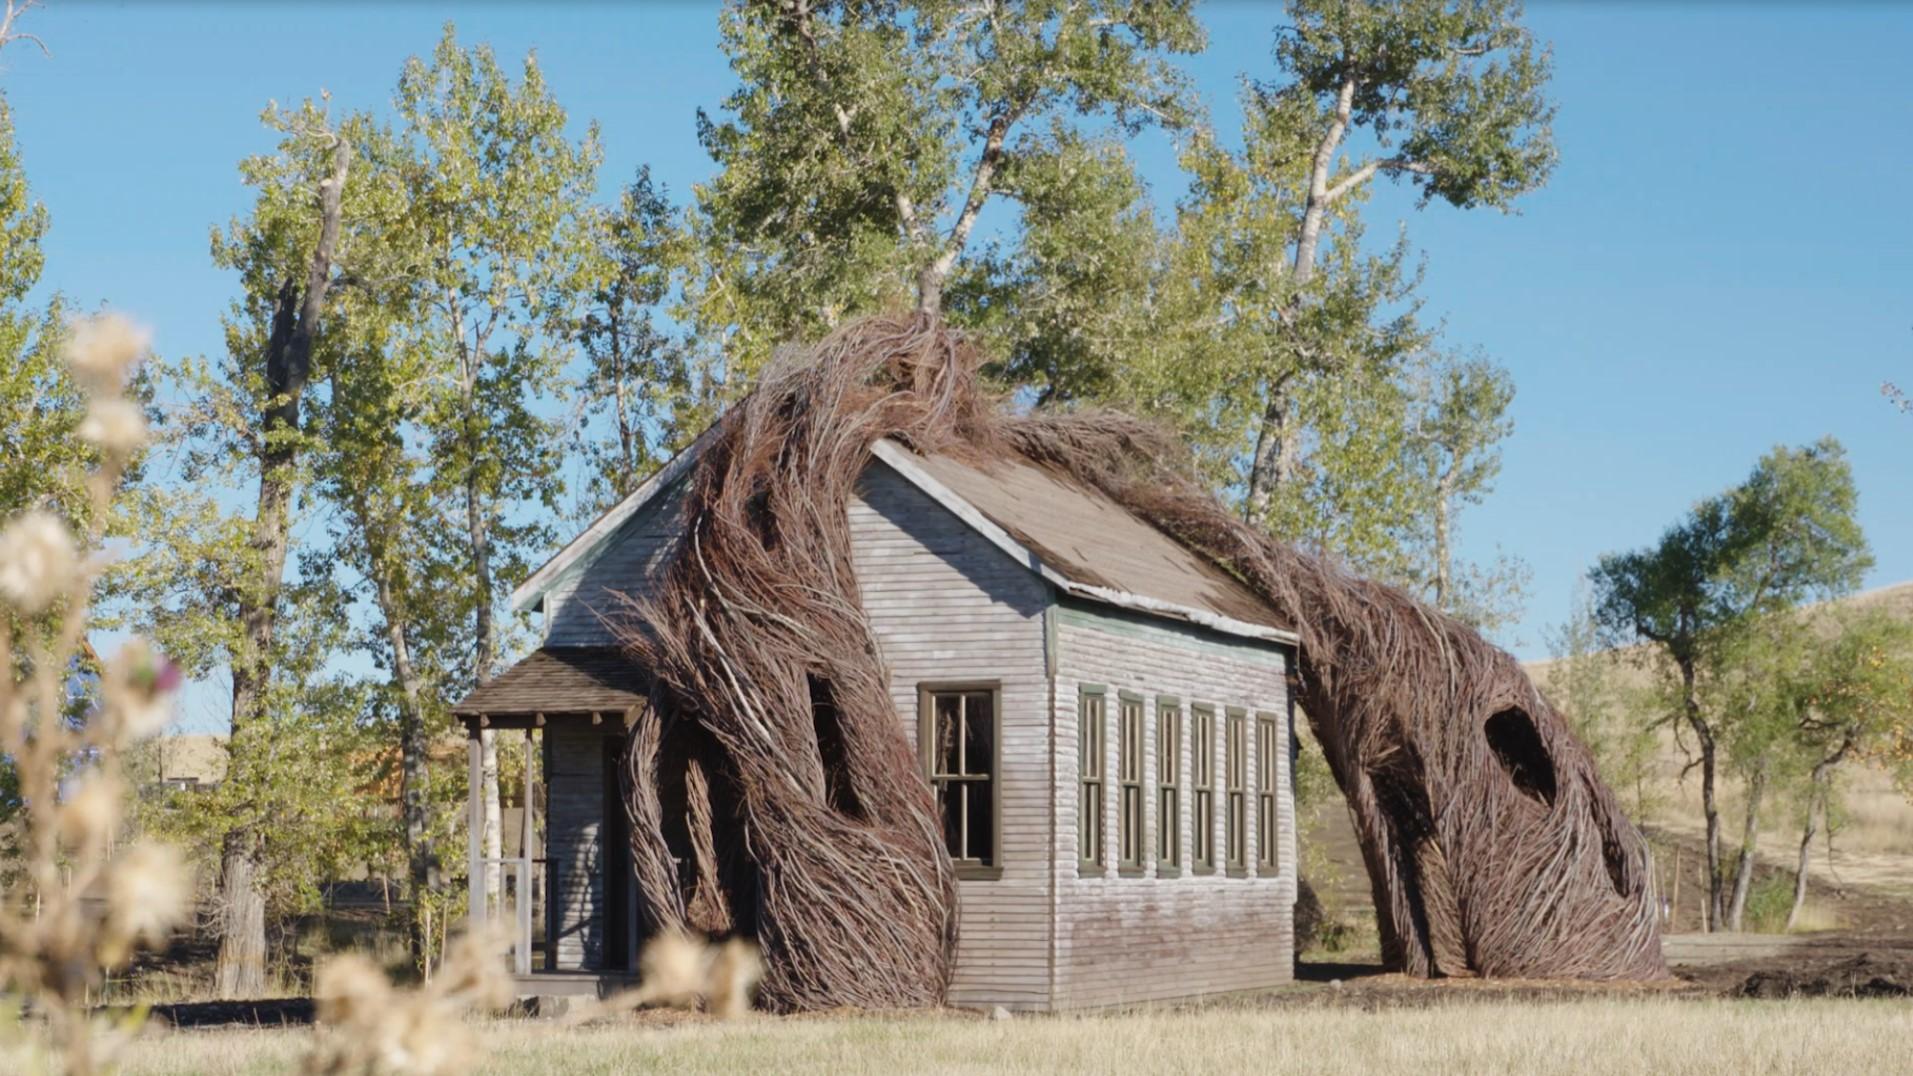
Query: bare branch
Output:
(1391,165)
(15,9)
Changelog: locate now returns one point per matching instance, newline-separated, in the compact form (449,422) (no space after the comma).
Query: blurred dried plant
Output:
(369,1027)
(679,971)
(80,901)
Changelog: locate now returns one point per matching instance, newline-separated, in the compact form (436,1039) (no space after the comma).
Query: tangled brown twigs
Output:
(773,791)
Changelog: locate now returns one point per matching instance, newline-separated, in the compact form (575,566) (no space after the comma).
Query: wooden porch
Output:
(561,889)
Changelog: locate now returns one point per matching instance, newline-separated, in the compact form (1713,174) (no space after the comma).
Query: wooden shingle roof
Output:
(561,680)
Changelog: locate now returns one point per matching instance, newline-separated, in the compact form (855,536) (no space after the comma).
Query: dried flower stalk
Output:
(81,902)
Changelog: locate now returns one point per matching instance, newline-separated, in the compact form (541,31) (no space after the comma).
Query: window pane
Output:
(950,805)
(949,716)
(979,729)
(1169,746)
(982,829)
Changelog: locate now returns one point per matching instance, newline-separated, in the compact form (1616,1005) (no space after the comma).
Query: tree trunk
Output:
(239,968)
(1815,803)
(627,477)
(1276,449)
(414,778)
(484,631)
(1749,836)
(1444,566)
(1710,807)
(1277,442)
(240,971)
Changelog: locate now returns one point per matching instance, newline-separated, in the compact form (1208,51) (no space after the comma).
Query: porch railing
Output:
(517,875)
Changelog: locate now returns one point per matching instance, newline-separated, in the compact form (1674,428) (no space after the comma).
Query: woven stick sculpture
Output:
(773,791)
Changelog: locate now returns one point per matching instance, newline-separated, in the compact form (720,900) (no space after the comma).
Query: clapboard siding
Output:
(580,600)
(946,605)
(1128,939)
(575,777)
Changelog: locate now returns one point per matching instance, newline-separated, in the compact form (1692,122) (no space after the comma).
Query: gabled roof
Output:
(1080,541)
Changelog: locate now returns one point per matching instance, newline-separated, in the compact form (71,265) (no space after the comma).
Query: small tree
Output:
(1583,682)
(1857,705)
(1785,535)
(636,378)
(1463,420)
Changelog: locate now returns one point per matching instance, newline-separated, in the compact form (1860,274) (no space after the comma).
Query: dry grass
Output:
(1597,1035)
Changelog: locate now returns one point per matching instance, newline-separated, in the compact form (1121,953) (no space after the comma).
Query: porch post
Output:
(522,958)
(475,910)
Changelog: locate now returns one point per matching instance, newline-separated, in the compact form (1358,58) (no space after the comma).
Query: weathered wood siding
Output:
(574,759)
(1126,939)
(946,606)
(580,599)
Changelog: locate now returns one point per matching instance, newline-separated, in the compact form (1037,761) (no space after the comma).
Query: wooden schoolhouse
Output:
(1103,716)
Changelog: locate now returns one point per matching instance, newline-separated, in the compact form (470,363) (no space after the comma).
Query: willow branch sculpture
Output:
(772,789)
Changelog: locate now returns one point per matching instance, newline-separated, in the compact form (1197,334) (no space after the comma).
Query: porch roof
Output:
(560,680)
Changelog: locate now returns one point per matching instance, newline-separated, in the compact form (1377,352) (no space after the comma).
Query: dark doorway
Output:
(615,840)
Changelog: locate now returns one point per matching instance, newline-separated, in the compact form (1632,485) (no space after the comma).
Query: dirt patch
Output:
(1862,976)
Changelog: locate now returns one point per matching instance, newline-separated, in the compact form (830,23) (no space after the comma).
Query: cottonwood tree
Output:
(1067,300)
(495,234)
(865,140)
(1461,421)
(1227,329)
(389,532)
(636,381)
(210,583)
(1785,535)
(1450,95)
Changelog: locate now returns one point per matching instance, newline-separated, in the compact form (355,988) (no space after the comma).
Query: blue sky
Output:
(1722,262)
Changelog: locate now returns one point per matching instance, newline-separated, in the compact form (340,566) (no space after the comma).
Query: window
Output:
(1202,776)
(958,725)
(1236,777)
(1268,741)
(1091,735)
(1168,786)
(1129,752)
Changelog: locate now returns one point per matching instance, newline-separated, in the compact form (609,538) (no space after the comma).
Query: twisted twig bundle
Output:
(774,791)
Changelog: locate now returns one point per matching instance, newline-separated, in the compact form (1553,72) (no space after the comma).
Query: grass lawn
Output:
(1594,1035)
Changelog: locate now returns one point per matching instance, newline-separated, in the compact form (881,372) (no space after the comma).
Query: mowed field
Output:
(1450,1035)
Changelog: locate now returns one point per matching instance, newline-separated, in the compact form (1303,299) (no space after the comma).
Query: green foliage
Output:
(1066,300)
(1769,900)
(864,140)
(1452,90)
(42,461)
(637,378)
(496,235)
(1786,535)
